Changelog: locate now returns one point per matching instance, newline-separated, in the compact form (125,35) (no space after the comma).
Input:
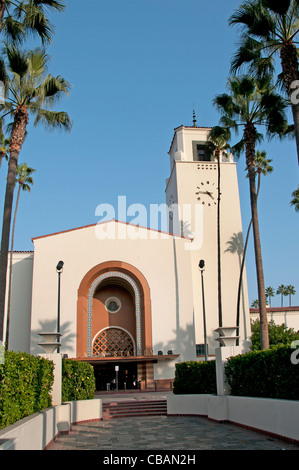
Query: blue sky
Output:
(138,68)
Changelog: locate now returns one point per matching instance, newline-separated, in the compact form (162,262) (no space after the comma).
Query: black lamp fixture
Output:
(59,269)
(201,265)
(59,266)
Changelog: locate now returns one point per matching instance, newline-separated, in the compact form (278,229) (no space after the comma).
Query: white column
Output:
(56,358)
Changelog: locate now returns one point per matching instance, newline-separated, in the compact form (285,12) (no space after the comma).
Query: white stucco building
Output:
(131,296)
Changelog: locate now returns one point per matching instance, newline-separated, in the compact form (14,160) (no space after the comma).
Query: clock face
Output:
(206,193)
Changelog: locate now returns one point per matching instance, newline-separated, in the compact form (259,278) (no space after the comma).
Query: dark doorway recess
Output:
(106,374)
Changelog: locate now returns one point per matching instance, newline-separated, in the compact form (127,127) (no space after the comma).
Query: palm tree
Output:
(263,167)
(25,182)
(218,144)
(282,290)
(270,28)
(255,304)
(295,201)
(31,91)
(290,290)
(250,103)
(270,292)
(20,18)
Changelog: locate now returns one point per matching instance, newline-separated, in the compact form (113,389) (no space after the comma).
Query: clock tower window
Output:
(200,153)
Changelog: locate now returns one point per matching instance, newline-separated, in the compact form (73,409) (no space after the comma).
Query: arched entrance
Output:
(114,324)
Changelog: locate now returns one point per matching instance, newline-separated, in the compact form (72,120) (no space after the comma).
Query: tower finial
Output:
(194,119)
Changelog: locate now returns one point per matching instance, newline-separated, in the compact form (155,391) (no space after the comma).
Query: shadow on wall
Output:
(20,307)
(49,326)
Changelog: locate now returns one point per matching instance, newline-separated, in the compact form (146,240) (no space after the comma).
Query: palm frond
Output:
(52,4)
(38,60)
(35,21)
(51,89)
(53,119)
(277,6)
(17,60)
(254,18)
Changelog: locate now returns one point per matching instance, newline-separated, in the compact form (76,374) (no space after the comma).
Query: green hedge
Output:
(78,381)
(25,385)
(195,377)
(267,373)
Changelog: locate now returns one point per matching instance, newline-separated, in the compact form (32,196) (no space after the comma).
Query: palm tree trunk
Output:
(249,139)
(10,268)
(243,264)
(289,64)
(2,10)
(219,244)
(17,139)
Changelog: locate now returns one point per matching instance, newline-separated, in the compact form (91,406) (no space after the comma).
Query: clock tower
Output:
(192,198)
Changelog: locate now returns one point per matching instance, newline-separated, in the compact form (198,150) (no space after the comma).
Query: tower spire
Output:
(194,119)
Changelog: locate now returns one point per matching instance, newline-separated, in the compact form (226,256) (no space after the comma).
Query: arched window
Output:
(113,342)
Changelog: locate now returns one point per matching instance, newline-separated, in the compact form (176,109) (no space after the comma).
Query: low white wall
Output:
(37,431)
(277,417)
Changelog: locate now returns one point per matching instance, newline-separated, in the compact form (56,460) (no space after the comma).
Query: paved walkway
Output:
(162,433)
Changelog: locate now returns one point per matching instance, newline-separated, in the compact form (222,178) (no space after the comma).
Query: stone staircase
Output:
(129,409)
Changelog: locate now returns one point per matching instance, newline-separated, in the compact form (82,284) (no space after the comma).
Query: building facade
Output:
(132,298)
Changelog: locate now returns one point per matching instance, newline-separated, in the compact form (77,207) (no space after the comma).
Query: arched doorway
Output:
(114,323)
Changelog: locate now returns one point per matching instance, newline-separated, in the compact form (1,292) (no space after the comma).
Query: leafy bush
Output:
(78,381)
(195,377)
(267,373)
(25,386)
(278,335)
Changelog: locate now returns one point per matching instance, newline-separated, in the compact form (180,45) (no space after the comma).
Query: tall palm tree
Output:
(249,104)
(270,28)
(290,290)
(218,139)
(270,292)
(31,91)
(263,167)
(20,18)
(295,201)
(25,181)
(282,290)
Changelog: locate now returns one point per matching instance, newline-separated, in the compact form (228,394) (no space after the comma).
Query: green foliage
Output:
(25,385)
(195,377)
(278,335)
(267,373)
(78,381)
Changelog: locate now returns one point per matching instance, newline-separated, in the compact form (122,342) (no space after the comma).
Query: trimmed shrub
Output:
(195,377)
(78,381)
(25,386)
(267,373)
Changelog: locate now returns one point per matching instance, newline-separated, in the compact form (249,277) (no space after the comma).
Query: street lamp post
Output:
(59,269)
(201,267)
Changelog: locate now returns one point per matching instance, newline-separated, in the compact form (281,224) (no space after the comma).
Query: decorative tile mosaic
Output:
(91,292)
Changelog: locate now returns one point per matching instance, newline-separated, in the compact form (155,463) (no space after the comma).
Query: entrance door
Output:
(106,374)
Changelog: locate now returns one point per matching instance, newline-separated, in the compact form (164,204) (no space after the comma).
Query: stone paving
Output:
(164,433)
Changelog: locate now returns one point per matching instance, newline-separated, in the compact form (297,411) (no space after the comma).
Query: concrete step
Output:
(138,408)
